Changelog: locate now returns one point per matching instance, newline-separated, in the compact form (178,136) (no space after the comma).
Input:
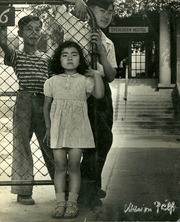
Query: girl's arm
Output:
(98,91)
(109,71)
(47,107)
(3,44)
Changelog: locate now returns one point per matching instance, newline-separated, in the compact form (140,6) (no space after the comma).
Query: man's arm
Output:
(109,71)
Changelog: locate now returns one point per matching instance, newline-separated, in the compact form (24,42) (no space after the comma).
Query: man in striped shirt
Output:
(31,68)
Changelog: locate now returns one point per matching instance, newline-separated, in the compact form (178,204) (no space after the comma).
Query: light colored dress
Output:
(70,126)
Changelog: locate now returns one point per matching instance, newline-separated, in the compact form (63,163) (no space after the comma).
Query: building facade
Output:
(149,44)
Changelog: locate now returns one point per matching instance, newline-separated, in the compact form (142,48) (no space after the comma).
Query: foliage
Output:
(126,8)
(43,10)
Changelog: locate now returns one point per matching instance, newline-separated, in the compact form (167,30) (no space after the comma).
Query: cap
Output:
(27,19)
(101,3)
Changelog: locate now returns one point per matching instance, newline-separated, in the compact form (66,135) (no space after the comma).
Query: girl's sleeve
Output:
(48,88)
(89,84)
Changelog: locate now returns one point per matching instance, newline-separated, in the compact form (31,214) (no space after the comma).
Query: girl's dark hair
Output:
(55,66)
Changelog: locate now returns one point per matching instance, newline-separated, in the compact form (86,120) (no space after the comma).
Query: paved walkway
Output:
(143,182)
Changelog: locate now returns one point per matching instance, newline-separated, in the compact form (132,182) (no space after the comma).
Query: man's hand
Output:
(96,38)
(80,10)
(57,34)
(108,70)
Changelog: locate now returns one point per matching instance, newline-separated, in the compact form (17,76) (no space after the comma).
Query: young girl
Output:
(68,128)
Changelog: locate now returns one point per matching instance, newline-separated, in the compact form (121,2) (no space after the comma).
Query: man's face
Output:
(31,33)
(103,16)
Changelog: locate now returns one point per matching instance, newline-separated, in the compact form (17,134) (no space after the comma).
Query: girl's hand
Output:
(80,9)
(92,73)
(47,137)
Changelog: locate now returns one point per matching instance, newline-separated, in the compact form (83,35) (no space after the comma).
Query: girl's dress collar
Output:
(72,75)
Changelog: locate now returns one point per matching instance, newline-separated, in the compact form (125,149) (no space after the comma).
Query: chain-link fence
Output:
(24,156)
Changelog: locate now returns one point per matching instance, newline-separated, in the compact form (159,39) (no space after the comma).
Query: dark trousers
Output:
(94,160)
(28,118)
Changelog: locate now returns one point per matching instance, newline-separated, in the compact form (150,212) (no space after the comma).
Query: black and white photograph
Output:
(96,80)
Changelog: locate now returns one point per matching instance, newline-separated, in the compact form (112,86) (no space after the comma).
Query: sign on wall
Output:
(7,16)
(128,29)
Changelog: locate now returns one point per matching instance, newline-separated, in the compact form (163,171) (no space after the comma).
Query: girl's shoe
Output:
(71,210)
(59,210)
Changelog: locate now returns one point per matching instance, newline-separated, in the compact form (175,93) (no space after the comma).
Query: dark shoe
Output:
(25,200)
(96,202)
(101,193)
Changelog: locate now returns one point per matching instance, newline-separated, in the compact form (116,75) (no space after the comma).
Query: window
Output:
(138,67)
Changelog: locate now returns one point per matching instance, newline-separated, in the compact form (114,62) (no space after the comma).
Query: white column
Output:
(164,51)
(178,49)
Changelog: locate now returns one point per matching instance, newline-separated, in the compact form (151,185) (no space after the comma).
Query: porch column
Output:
(164,51)
(178,48)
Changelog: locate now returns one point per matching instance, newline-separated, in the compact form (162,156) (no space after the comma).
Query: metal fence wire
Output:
(56,19)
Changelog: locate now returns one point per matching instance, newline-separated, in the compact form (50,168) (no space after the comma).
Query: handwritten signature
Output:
(166,206)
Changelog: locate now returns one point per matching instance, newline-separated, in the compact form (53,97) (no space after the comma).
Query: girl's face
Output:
(70,59)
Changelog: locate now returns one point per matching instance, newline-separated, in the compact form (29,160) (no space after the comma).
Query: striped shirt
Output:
(31,70)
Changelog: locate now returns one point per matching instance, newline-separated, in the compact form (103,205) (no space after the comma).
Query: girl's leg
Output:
(74,158)
(60,159)
(74,182)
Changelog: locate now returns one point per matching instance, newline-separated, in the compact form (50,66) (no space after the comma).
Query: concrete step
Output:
(143,102)
(146,124)
(146,132)
(143,106)
(144,111)
(144,115)
(147,127)
(131,119)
